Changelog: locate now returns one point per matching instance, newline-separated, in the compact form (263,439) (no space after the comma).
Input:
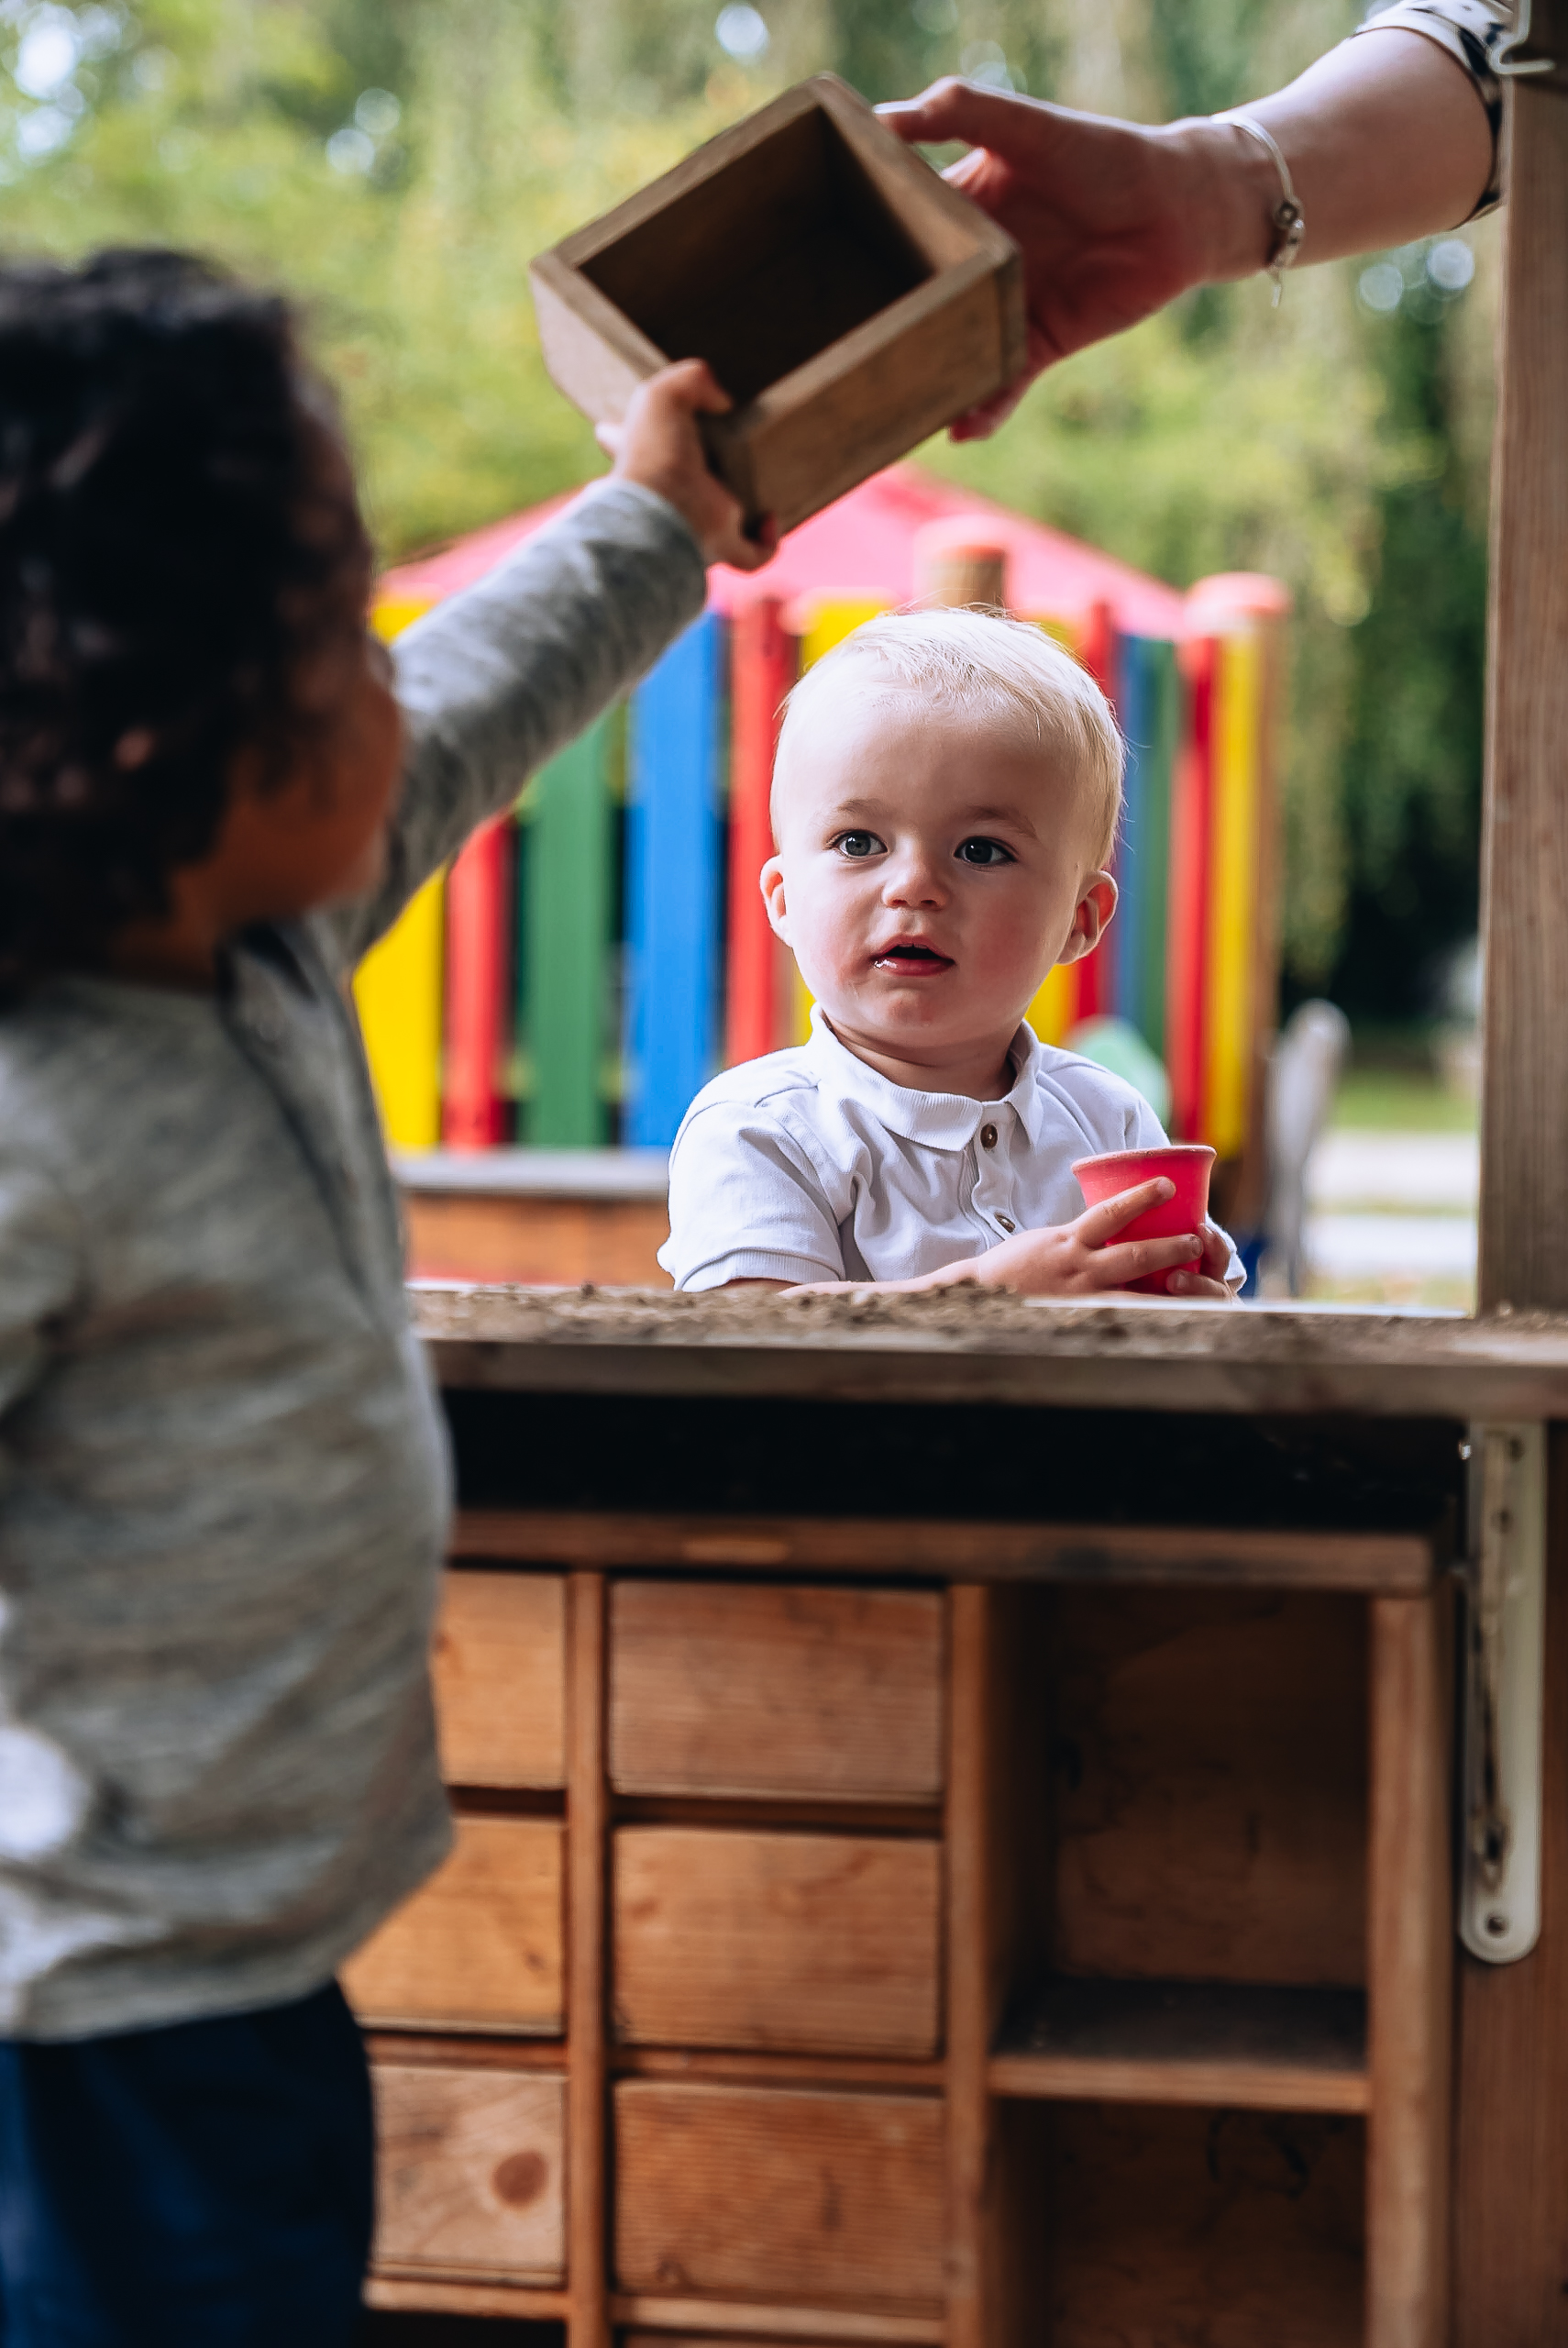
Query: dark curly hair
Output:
(176,537)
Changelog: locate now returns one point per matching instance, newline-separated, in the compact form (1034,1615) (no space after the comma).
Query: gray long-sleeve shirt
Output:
(223,1489)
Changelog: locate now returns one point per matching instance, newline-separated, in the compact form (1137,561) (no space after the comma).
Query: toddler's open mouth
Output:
(912,959)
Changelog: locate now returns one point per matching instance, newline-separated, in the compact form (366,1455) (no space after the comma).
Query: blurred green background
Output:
(396,162)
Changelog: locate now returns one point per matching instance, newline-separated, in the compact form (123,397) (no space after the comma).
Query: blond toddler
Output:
(944,805)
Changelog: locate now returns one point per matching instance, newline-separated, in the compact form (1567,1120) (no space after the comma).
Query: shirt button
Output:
(988,1136)
(1007,1223)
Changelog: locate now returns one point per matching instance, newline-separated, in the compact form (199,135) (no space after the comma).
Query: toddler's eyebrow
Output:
(1014,815)
(873,810)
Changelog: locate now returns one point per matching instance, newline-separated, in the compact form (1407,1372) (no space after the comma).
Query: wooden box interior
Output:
(767,264)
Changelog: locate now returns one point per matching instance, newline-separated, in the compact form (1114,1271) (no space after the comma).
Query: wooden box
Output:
(801,1943)
(849,301)
(500,1673)
(772,2193)
(477,1947)
(469,2170)
(801,1694)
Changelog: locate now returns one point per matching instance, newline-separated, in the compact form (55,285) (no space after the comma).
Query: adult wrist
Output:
(1232,188)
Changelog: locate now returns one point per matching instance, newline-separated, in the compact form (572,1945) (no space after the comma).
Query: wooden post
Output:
(1524,1126)
(968,573)
(587,2249)
(1411,1979)
(968,1965)
(1511,2170)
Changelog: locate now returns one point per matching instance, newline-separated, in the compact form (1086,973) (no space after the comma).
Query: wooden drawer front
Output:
(480,1946)
(500,1668)
(816,1942)
(778,2193)
(718,1690)
(469,2170)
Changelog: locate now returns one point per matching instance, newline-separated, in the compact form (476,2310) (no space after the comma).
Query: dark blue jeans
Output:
(204,2185)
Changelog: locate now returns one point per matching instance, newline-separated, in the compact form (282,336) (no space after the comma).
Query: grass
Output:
(1388,1101)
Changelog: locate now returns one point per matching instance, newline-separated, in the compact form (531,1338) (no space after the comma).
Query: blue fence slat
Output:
(1127,936)
(674,885)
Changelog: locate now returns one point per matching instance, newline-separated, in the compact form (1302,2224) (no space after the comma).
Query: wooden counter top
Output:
(965,1346)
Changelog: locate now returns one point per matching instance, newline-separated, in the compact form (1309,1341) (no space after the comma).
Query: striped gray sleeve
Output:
(1475,35)
(39,1274)
(497,679)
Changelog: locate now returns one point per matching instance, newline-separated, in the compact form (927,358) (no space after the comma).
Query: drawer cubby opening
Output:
(1189,1832)
(1214,2227)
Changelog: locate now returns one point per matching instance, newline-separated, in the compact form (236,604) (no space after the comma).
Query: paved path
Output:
(1400,1205)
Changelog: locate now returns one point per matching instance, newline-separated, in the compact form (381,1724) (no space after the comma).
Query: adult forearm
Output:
(1386,139)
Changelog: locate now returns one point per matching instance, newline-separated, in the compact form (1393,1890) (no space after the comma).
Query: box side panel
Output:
(596,359)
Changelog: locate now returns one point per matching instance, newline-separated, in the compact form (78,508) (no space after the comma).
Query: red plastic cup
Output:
(1186,1164)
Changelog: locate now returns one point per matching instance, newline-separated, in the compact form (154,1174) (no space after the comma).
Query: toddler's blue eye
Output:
(978,851)
(857,843)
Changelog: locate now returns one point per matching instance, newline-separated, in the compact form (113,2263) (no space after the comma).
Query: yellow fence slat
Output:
(1233,896)
(832,619)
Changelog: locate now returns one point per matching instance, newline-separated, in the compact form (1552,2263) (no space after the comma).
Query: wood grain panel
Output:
(775,2193)
(499,1672)
(480,1946)
(1411,1989)
(741,2326)
(544,1242)
(1192,2042)
(714,2325)
(1211,1787)
(826,1942)
(1224,2229)
(622,1540)
(470,2171)
(744,1690)
(588,1811)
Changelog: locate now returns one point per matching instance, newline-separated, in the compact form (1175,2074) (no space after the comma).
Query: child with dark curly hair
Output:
(223,1490)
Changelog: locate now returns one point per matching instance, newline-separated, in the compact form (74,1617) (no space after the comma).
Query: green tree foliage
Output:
(395,163)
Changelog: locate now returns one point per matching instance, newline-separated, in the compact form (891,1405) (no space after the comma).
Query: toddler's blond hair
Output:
(990,667)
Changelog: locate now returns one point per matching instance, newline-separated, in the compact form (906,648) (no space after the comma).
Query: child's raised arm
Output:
(499,678)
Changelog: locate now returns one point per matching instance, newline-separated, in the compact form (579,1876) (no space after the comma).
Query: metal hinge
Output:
(1513,55)
(1499,1884)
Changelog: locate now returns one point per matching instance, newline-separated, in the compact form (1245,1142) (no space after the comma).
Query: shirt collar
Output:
(940,1120)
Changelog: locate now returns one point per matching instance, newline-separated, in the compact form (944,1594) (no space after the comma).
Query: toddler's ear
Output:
(1091,916)
(771,881)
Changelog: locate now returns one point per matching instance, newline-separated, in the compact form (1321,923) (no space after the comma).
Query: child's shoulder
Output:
(771,1082)
(1114,1110)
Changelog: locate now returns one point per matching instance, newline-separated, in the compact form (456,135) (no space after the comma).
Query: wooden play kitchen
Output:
(954,1823)
(993,1824)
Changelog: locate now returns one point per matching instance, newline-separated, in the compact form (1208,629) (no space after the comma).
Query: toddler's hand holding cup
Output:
(1185,1165)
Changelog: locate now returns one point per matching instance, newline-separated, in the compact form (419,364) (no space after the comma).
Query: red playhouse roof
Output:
(865,545)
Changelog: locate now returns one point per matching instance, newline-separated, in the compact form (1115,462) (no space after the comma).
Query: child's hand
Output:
(659,446)
(1208,1279)
(1085,1258)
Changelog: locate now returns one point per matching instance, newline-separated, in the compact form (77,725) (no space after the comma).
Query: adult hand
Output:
(1114,219)
(1387,138)
(658,445)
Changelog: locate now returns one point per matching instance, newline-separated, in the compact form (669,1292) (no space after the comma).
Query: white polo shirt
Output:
(809,1166)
